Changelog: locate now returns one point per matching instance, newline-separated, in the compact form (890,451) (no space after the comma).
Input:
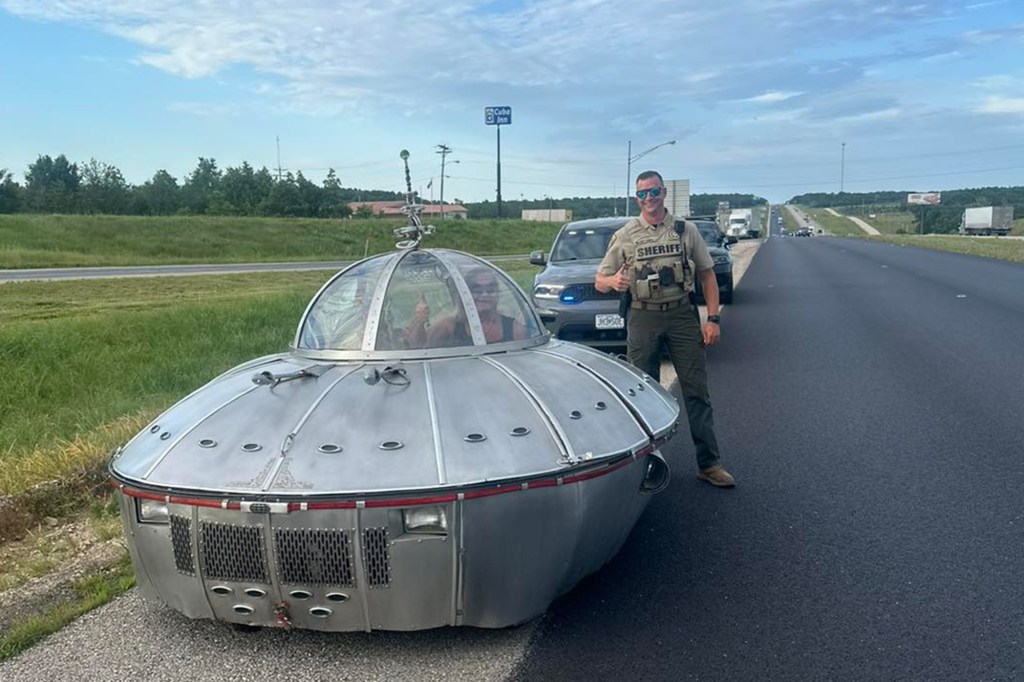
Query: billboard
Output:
(925,198)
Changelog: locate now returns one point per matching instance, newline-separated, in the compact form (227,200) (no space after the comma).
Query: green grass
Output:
(893,223)
(36,241)
(838,226)
(986,247)
(90,592)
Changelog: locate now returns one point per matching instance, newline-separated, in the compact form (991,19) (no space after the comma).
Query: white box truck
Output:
(986,220)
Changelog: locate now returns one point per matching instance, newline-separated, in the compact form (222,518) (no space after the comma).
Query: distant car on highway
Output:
(804,232)
(564,294)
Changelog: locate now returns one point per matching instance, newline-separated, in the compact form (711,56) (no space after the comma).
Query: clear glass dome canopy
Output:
(419,302)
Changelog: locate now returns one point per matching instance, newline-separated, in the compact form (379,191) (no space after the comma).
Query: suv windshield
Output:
(710,232)
(581,244)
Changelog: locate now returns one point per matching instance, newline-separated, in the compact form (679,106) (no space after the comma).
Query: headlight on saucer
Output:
(425,520)
(548,292)
(152,511)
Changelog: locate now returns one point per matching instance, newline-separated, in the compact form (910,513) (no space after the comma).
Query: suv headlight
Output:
(720,260)
(548,292)
(152,511)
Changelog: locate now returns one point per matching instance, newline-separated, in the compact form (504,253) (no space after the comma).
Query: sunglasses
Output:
(641,194)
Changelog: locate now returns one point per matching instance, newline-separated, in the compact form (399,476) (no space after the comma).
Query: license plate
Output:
(609,321)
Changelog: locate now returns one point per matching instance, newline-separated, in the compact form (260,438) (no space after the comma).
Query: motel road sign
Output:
(498,116)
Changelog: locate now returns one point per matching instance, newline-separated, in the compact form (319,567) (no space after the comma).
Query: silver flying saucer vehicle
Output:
(423,455)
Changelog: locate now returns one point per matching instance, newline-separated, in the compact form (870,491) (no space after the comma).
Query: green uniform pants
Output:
(679,330)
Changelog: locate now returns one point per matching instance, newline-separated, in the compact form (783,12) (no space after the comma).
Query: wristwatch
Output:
(717,319)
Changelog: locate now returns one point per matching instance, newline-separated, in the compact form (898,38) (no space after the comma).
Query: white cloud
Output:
(773,97)
(1002,105)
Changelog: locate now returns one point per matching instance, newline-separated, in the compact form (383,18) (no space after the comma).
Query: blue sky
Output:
(760,95)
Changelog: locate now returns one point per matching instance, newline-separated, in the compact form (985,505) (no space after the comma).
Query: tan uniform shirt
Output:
(638,243)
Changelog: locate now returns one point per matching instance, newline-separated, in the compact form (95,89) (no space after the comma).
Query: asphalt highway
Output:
(868,400)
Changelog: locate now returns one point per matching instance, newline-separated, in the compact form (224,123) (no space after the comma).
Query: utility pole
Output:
(444,150)
(279,169)
(842,169)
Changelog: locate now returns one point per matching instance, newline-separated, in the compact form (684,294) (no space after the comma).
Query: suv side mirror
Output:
(537,258)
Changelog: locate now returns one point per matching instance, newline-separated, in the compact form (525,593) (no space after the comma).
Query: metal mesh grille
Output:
(586,292)
(314,557)
(233,552)
(375,556)
(181,541)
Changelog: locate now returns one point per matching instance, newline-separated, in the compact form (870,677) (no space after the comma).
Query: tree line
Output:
(57,185)
(602,207)
(941,219)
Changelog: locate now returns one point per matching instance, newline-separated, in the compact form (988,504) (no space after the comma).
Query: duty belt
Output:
(667,305)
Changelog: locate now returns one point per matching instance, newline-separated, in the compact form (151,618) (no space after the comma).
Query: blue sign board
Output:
(498,116)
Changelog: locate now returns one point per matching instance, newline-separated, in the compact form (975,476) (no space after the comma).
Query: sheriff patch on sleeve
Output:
(656,250)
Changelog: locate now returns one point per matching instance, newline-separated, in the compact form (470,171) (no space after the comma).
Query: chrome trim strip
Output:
(457,615)
(476,330)
(362,587)
(435,427)
(377,301)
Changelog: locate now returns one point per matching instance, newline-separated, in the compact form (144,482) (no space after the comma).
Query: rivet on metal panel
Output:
(519,431)
(165,435)
(242,609)
(601,405)
(390,445)
(207,443)
(337,597)
(575,414)
(631,392)
(641,387)
(255,592)
(329,448)
(154,428)
(475,438)
(299,594)
(221,590)
(252,447)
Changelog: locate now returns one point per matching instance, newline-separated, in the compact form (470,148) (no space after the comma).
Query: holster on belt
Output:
(625,300)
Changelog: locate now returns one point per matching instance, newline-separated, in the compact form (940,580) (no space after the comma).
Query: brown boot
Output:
(717,476)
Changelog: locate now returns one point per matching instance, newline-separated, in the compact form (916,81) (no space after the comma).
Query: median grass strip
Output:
(41,241)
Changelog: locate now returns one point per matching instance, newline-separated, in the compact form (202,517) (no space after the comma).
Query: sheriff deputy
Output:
(656,259)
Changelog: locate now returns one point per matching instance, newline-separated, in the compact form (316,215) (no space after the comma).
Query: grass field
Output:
(38,241)
(893,223)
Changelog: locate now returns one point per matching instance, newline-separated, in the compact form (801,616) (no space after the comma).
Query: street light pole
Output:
(842,169)
(629,165)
